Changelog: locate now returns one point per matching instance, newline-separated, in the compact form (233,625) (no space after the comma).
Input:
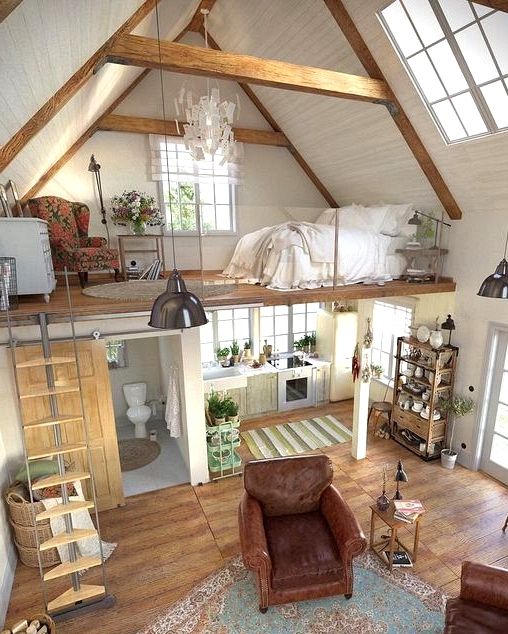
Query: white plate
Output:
(435,417)
(423,334)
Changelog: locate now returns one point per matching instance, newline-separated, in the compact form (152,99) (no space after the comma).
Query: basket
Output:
(44,619)
(22,512)
(29,556)
(26,535)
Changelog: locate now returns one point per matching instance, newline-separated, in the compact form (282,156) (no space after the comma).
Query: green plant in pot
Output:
(216,407)
(222,355)
(247,349)
(376,370)
(235,351)
(457,406)
(231,409)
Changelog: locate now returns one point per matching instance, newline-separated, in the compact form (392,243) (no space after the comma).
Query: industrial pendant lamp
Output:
(176,308)
(496,285)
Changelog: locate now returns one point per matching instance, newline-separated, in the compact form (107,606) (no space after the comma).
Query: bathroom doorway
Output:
(152,456)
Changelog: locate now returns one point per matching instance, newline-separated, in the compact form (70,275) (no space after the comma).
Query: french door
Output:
(494,460)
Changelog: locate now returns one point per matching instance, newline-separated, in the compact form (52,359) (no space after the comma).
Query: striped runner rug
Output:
(289,439)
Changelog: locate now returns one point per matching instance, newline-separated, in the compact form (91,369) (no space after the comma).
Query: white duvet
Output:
(301,255)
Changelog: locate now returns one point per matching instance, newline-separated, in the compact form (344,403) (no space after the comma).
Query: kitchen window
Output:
(224,327)
(281,326)
(455,52)
(389,321)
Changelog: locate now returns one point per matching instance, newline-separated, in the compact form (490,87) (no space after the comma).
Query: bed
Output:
(302,254)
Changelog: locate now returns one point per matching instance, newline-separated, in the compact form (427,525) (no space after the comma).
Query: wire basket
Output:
(8,284)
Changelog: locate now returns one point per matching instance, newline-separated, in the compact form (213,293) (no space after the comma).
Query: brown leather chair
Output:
(296,531)
(482,607)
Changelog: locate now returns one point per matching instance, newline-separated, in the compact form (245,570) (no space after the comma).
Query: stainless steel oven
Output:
(296,383)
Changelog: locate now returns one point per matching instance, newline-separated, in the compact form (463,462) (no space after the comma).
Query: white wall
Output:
(142,366)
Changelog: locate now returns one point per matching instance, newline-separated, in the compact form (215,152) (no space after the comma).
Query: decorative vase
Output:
(138,228)
(383,502)
(436,339)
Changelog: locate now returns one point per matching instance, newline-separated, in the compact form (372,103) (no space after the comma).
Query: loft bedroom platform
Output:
(235,294)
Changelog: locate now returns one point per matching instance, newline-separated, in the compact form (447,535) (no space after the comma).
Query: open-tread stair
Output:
(53,420)
(73,597)
(67,568)
(42,361)
(50,391)
(56,450)
(55,480)
(68,538)
(64,509)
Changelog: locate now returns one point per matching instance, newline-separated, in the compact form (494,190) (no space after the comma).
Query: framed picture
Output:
(5,210)
(14,202)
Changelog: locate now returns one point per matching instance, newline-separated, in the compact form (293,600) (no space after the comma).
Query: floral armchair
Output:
(71,246)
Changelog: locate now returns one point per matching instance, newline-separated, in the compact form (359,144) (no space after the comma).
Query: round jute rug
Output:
(137,452)
(145,290)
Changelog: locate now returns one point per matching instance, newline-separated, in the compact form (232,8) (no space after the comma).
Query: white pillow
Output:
(327,217)
(395,220)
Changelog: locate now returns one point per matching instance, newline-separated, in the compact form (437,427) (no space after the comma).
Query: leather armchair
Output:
(482,607)
(296,531)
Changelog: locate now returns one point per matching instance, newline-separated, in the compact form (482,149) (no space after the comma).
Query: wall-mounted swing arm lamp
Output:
(496,285)
(94,167)
(415,220)
(176,308)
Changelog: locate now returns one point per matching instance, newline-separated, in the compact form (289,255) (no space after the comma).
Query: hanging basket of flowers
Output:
(136,210)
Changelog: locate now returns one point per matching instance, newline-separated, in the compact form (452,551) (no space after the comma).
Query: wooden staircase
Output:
(47,396)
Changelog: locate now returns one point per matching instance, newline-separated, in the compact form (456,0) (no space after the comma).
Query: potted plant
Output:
(247,349)
(235,351)
(136,210)
(376,370)
(231,409)
(216,407)
(457,406)
(222,355)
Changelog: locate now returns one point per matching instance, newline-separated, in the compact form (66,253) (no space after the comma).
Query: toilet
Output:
(138,413)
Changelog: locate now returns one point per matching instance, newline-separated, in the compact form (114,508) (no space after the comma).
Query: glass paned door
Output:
(495,444)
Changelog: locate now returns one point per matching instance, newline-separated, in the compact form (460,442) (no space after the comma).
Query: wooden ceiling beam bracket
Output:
(415,144)
(136,50)
(37,122)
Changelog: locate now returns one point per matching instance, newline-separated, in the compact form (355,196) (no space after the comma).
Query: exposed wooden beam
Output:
(7,7)
(68,90)
(295,153)
(196,22)
(195,60)
(48,175)
(353,36)
(500,5)
(142,125)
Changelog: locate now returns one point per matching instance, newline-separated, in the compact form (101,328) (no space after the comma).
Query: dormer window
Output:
(456,53)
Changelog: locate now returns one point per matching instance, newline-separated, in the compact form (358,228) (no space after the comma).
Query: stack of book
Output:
(152,272)
(407,510)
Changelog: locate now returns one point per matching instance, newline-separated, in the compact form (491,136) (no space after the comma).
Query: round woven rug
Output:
(137,452)
(145,290)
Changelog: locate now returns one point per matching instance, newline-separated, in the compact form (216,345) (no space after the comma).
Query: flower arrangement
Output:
(137,209)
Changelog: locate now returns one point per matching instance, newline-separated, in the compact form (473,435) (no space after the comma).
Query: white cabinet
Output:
(322,383)
(261,393)
(27,240)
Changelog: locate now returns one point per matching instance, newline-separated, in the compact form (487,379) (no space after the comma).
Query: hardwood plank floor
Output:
(170,539)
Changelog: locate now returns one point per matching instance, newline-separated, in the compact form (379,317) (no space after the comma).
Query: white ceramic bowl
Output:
(417,406)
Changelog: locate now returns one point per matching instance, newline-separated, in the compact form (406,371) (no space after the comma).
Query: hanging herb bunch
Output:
(355,364)
(368,337)
(366,370)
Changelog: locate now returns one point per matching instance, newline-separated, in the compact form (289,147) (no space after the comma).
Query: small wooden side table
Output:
(159,249)
(392,541)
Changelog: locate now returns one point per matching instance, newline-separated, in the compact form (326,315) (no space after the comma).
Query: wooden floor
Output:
(170,539)
(243,294)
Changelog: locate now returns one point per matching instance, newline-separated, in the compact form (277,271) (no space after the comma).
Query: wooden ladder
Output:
(78,594)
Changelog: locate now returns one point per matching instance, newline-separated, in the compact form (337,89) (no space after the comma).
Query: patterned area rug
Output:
(137,452)
(144,290)
(289,439)
(382,603)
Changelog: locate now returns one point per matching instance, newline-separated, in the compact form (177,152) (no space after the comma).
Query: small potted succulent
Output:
(457,406)
(235,351)
(222,355)
(247,349)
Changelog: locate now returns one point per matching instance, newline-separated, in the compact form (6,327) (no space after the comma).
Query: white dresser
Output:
(27,240)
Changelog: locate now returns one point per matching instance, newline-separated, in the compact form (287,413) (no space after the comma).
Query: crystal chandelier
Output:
(209,122)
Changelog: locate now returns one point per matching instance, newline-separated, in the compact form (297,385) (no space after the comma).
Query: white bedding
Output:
(301,255)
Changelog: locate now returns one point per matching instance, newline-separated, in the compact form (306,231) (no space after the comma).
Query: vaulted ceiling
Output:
(351,149)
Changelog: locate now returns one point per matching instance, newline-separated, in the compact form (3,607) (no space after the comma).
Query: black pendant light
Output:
(176,308)
(496,285)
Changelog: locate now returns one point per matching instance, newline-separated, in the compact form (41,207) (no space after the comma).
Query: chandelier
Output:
(209,126)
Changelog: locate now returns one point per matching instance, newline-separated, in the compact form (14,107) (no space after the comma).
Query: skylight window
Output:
(456,53)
